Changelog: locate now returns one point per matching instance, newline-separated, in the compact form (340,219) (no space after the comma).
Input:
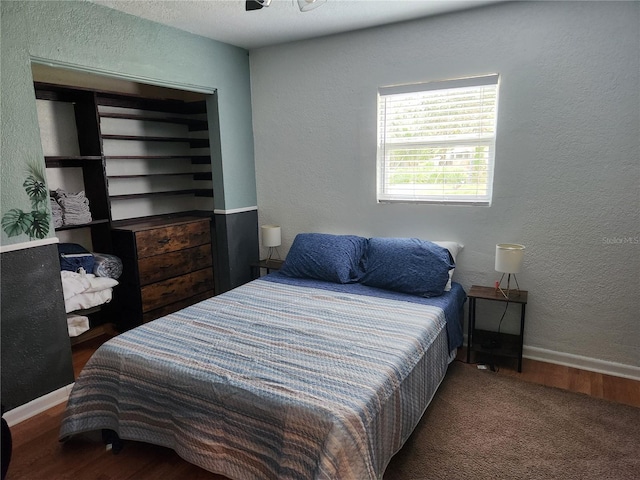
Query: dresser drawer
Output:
(173,264)
(171,238)
(163,293)
(174,307)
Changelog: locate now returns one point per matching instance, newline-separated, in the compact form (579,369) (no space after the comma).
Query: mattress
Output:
(271,381)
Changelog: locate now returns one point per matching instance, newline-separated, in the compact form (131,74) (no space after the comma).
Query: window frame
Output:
(384,148)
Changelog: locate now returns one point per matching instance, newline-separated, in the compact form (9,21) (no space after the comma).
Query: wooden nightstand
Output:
(477,340)
(268,265)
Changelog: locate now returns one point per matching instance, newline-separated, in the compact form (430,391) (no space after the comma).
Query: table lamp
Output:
(271,238)
(509,257)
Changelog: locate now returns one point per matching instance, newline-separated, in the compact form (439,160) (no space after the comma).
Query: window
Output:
(436,141)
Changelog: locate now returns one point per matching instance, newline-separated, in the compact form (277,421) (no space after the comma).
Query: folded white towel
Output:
(75,207)
(77,324)
(56,213)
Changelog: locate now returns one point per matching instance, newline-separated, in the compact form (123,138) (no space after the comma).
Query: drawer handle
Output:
(164,241)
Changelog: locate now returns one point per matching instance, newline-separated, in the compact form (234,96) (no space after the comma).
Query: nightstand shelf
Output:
(508,345)
(268,265)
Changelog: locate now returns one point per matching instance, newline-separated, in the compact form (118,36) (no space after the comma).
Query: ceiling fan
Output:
(304,5)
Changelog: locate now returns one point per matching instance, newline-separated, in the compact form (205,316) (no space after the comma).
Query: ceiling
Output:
(282,21)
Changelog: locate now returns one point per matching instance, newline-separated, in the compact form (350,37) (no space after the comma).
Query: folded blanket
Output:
(74,256)
(84,290)
(83,301)
(107,265)
(73,283)
(77,324)
(100,283)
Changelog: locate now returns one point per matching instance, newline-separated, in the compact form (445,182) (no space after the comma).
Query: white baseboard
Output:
(578,361)
(38,405)
(584,363)
(219,211)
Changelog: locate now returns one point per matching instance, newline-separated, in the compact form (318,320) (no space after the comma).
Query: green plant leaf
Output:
(16,222)
(39,227)
(37,191)
(36,170)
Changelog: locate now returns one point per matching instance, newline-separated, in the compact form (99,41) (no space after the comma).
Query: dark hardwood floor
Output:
(37,454)
(83,351)
(599,385)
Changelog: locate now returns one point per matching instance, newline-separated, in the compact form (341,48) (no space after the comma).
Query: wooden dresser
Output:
(167,265)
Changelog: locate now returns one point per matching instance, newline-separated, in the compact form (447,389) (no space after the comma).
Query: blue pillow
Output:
(407,265)
(333,258)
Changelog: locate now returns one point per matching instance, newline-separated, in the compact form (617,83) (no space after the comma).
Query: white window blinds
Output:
(436,141)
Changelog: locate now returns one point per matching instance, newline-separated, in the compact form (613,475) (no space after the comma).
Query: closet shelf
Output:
(120,122)
(157,105)
(193,142)
(82,225)
(195,175)
(71,161)
(198,192)
(200,159)
(194,125)
(86,311)
(107,329)
(195,159)
(202,175)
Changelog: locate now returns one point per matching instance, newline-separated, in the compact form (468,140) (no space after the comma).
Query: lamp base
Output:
(270,256)
(508,292)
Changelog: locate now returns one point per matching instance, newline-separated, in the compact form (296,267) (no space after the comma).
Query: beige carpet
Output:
(484,426)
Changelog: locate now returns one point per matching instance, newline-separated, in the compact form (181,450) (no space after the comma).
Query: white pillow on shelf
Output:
(454,248)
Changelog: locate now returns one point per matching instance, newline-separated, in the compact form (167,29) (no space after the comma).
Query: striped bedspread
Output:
(270,381)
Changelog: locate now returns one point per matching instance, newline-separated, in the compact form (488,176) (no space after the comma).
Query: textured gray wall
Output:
(36,351)
(567,170)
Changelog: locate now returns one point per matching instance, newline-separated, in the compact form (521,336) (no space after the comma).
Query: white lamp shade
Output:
(271,235)
(306,5)
(509,257)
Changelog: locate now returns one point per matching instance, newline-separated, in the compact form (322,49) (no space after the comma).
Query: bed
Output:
(286,377)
